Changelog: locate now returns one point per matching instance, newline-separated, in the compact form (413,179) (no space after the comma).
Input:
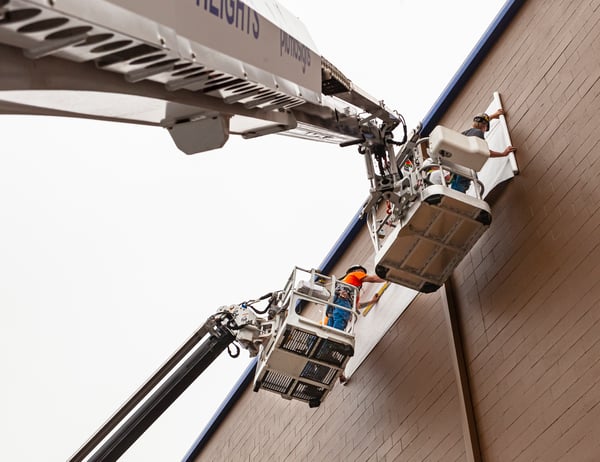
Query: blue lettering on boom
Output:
(235,13)
(290,46)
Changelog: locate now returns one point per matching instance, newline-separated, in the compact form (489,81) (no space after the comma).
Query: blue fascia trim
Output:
(457,83)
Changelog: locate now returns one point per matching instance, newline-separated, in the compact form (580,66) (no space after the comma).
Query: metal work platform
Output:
(305,357)
(432,238)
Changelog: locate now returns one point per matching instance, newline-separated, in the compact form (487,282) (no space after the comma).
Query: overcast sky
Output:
(115,247)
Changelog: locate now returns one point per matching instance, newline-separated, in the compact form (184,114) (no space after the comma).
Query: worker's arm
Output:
(497,114)
(504,153)
(508,149)
(373,278)
(370,302)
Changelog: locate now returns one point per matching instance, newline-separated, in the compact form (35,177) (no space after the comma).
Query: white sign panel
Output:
(497,169)
(370,329)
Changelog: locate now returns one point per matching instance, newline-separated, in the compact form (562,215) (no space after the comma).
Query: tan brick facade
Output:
(528,295)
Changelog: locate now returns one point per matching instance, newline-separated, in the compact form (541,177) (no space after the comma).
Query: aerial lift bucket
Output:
(442,225)
(434,237)
(305,357)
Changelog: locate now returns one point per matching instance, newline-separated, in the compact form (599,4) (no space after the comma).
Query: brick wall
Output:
(528,295)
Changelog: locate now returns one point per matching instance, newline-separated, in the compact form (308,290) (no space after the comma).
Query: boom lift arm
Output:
(198,69)
(140,411)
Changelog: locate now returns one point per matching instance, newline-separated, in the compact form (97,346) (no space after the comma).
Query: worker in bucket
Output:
(481,124)
(355,276)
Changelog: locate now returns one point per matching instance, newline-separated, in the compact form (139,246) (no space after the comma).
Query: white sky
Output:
(115,247)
